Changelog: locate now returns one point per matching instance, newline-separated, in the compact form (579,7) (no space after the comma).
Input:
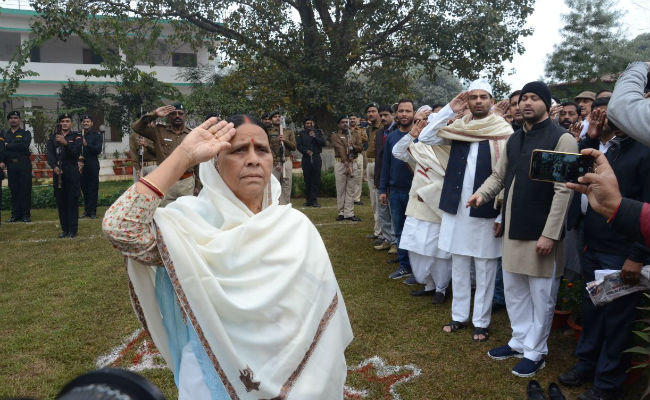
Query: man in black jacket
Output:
(310,145)
(19,167)
(89,165)
(63,150)
(387,239)
(606,329)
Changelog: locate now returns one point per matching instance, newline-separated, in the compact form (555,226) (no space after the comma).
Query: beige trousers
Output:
(286,182)
(358,178)
(346,187)
(370,176)
(184,187)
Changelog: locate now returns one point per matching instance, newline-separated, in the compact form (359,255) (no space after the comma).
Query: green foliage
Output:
(592,46)
(570,297)
(43,197)
(315,58)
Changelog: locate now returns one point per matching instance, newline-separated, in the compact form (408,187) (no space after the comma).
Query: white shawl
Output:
(258,289)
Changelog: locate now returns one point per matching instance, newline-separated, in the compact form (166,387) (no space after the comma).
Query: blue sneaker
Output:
(503,353)
(527,368)
(399,273)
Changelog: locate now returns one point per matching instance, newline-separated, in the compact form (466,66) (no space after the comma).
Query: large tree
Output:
(592,43)
(307,56)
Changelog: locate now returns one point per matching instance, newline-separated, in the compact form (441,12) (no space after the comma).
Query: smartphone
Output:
(556,166)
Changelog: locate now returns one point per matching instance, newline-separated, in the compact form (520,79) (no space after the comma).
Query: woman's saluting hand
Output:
(206,140)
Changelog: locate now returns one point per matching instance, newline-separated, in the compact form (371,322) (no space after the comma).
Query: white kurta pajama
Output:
(247,303)
(467,238)
(531,281)
(431,266)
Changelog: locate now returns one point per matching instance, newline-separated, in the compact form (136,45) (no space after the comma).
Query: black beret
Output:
(87,116)
(64,115)
(12,113)
(178,105)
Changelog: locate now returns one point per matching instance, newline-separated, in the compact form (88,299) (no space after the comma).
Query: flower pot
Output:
(41,164)
(297,164)
(577,329)
(118,163)
(560,319)
(38,174)
(49,173)
(128,170)
(118,170)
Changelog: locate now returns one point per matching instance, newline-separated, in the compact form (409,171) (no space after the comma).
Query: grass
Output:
(65,302)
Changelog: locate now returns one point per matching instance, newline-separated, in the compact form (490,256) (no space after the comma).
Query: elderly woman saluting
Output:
(237,292)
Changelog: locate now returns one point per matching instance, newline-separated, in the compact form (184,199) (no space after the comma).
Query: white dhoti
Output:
(431,266)
(530,302)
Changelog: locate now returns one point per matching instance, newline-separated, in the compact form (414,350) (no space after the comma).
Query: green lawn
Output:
(64,302)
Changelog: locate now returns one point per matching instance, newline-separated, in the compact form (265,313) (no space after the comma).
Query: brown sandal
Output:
(454,326)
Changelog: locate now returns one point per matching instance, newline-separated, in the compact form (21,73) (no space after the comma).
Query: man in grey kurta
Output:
(533,251)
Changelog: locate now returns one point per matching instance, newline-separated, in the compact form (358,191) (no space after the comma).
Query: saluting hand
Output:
(596,122)
(459,102)
(164,111)
(417,128)
(206,140)
(501,108)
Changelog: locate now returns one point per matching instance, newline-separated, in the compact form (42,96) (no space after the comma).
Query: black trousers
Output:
(311,172)
(67,198)
(19,171)
(606,330)
(90,186)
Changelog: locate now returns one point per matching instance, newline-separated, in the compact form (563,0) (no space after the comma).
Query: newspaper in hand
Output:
(608,285)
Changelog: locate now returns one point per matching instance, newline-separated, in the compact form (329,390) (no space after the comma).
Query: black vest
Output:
(455,174)
(531,200)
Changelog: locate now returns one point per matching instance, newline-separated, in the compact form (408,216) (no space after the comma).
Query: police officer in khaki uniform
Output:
(347,148)
(166,137)
(282,146)
(355,128)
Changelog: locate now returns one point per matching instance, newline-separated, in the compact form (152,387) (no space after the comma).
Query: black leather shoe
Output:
(574,377)
(353,218)
(554,392)
(371,236)
(72,235)
(422,292)
(12,219)
(63,235)
(340,218)
(315,205)
(358,203)
(597,394)
(438,298)
(535,391)
(306,204)
(26,219)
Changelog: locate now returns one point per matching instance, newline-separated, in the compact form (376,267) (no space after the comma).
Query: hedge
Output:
(43,196)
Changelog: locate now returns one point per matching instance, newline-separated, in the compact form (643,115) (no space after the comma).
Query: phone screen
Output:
(553,166)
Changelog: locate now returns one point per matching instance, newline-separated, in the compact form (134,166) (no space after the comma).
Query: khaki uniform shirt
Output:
(162,136)
(339,141)
(149,150)
(372,135)
(289,143)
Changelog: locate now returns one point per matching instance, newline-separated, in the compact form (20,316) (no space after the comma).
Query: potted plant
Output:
(569,301)
(128,168)
(117,162)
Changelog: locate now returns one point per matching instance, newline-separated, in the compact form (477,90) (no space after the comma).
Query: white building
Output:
(56,62)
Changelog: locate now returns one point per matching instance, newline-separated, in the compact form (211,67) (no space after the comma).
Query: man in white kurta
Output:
(466,235)
(431,266)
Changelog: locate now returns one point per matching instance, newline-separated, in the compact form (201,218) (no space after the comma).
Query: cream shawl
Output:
(428,177)
(492,128)
(258,289)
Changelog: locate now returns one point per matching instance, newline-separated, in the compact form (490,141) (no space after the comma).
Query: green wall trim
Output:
(30,81)
(16,12)
(8,28)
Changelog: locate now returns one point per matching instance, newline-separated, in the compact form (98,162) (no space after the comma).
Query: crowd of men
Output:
(451,196)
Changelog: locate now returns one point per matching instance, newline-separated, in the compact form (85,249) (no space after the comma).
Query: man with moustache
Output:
(569,114)
(387,239)
(310,145)
(395,183)
(63,150)
(266,121)
(92,146)
(355,127)
(517,119)
(166,137)
(282,144)
(347,148)
(477,142)
(533,226)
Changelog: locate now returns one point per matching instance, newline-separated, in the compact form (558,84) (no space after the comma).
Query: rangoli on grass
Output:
(138,353)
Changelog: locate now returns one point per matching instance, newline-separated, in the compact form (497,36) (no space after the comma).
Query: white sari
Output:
(256,291)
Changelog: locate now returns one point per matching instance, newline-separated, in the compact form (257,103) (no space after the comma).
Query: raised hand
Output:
(575,129)
(164,111)
(206,140)
(501,108)
(596,122)
(555,111)
(459,102)
(417,128)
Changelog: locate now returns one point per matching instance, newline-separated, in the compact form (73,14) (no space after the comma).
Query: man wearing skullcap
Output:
(533,227)
(16,141)
(166,137)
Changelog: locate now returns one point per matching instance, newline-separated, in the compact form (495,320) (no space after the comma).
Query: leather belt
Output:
(149,163)
(371,159)
(186,175)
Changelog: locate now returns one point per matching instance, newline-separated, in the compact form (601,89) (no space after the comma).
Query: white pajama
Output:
(486,270)
(432,272)
(191,384)
(530,302)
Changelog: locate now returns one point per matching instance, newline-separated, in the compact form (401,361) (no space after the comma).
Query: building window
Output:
(184,60)
(35,54)
(90,57)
